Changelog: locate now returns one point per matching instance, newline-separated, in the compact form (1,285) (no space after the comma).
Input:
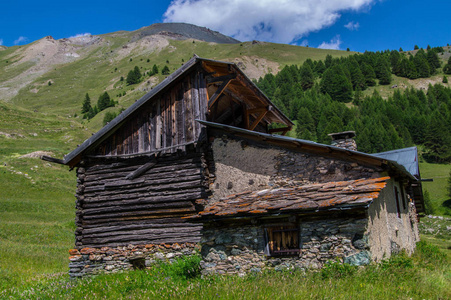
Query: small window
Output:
(282,240)
(398,210)
(403,197)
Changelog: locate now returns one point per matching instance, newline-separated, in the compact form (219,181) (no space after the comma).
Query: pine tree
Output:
(104,101)
(320,67)
(447,67)
(357,78)
(336,84)
(445,79)
(433,60)
(86,104)
(421,64)
(155,69)
(306,77)
(368,73)
(165,70)
(137,73)
(131,78)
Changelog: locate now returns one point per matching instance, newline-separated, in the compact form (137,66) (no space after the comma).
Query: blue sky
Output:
(336,24)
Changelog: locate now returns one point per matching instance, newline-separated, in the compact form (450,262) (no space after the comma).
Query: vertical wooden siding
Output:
(166,121)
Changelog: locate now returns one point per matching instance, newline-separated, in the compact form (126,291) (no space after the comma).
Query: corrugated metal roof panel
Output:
(406,157)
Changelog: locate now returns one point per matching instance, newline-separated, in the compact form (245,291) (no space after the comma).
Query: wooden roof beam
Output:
(218,92)
(211,80)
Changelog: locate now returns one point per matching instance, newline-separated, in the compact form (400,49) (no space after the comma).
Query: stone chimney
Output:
(344,140)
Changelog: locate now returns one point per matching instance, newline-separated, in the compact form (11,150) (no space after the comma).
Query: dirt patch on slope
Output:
(255,67)
(37,154)
(147,44)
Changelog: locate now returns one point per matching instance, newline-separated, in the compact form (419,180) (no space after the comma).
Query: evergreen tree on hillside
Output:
(433,60)
(368,74)
(134,76)
(307,78)
(328,61)
(104,101)
(305,128)
(383,70)
(447,67)
(438,138)
(155,69)
(421,64)
(357,78)
(165,70)
(319,68)
(86,104)
(336,84)
(395,57)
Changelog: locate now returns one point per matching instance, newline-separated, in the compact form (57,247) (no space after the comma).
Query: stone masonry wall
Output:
(240,165)
(240,250)
(91,261)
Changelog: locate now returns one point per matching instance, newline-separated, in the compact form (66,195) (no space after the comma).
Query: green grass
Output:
(437,188)
(36,197)
(425,275)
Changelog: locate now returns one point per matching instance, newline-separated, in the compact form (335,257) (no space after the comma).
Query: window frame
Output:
(285,237)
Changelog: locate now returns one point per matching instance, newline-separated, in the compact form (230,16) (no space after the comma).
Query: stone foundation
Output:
(91,261)
(240,250)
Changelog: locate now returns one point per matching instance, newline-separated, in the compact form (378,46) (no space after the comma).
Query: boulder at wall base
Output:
(360,259)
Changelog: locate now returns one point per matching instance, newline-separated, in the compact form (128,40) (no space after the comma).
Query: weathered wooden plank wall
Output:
(114,211)
(167,121)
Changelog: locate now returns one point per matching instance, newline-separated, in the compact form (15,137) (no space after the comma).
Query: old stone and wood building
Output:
(194,164)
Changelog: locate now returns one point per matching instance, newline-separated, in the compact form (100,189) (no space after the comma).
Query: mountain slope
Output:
(54,75)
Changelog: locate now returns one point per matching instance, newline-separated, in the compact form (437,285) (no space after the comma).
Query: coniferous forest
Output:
(327,96)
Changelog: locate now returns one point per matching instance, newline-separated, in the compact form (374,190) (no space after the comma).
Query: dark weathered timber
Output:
(53,160)
(195,238)
(218,93)
(138,226)
(132,231)
(149,237)
(142,195)
(125,207)
(177,175)
(112,204)
(160,212)
(141,170)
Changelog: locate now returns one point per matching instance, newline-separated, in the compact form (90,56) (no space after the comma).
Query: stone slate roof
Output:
(303,198)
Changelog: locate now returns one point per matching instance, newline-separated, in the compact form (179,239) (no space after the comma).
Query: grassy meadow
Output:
(37,223)
(37,204)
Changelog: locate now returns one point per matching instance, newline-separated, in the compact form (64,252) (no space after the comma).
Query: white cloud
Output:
(304,43)
(334,44)
(87,34)
(21,39)
(282,21)
(353,25)
(1,42)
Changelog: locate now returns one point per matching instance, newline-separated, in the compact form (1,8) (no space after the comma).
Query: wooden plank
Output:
(203,95)
(132,230)
(144,196)
(218,93)
(221,78)
(259,118)
(141,170)
(196,107)
(160,212)
(137,226)
(152,208)
(189,126)
(53,160)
